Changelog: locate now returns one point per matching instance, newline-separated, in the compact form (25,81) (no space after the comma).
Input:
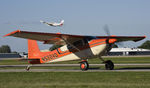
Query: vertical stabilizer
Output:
(33,49)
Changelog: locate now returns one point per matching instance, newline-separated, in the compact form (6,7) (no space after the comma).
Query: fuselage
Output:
(55,24)
(83,50)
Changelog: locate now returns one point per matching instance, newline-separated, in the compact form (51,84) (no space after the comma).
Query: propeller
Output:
(106,29)
(108,41)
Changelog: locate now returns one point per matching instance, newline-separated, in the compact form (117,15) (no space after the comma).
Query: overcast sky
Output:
(82,17)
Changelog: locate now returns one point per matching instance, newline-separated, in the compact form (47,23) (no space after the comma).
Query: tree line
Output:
(5,49)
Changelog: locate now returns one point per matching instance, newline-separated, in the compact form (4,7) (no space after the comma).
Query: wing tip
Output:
(11,33)
(142,37)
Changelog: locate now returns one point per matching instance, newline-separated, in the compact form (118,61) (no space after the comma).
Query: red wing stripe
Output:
(12,33)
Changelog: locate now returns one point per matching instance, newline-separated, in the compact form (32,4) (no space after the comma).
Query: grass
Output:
(13,62)
(75,80)
(91,61)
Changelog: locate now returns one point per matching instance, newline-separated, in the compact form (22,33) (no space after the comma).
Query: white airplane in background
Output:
(53,24)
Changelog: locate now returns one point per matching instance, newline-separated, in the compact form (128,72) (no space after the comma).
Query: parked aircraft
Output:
(53,24)
(75,47)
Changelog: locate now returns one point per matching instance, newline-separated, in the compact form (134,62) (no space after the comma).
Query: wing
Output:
(47,38)
(124,38)
(60,39)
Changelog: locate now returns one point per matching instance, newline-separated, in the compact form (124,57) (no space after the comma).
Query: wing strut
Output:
(73,46)
(70,44)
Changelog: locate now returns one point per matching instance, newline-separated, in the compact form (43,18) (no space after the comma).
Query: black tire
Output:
(109,65)
(84,66)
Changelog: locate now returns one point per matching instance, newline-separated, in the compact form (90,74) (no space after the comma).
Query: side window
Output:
(85,41)
(78,43)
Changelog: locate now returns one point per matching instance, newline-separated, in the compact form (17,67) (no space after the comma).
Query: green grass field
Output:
(75,80)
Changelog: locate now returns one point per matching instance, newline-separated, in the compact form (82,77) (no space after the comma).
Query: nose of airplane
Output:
(112,40)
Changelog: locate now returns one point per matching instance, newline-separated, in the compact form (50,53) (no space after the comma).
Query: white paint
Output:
(87,53)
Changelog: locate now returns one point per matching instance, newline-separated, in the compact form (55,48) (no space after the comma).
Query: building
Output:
(9,55)
(128,51)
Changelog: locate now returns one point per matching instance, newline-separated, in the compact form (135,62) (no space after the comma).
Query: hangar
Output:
(128,51)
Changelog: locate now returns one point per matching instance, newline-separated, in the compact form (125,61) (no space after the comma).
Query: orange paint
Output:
(112,40)
(82,66)
(11,33)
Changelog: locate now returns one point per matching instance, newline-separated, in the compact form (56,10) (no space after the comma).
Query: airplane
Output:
(53,24)
(75,47)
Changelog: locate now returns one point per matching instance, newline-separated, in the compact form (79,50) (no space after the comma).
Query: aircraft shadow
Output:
(134,68)
(126,68)
(94,68)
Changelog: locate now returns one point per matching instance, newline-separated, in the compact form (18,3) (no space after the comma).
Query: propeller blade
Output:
(106,29)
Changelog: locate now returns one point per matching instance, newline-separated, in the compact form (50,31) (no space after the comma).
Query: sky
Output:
(82,17)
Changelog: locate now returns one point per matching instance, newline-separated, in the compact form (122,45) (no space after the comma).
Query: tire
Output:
(109,65)
(84,65)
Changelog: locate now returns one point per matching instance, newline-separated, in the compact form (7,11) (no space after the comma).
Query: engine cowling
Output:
(110,43)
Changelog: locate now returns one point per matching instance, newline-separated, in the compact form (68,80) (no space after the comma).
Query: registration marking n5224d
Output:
(49,57)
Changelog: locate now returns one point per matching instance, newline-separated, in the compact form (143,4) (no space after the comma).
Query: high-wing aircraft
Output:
(53,24)
(75,47)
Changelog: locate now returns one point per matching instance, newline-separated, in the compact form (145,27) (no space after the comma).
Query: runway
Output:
(146,68)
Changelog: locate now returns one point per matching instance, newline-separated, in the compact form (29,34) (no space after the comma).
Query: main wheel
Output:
(84,65)
(109,65)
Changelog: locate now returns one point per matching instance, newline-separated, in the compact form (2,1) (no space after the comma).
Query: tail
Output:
(33,52)
(62,22)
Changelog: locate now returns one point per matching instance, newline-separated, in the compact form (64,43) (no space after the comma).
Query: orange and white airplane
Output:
(75,47)
(53,24)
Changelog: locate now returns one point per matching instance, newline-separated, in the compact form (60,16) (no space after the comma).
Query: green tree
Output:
(5,49)
(55,47)
(145,45)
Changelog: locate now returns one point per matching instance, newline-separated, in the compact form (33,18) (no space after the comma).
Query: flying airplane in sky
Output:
(75,47)
(53,24)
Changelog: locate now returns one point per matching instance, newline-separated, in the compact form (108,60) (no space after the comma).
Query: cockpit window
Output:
(78,43)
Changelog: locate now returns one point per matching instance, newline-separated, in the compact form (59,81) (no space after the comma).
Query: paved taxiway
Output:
(147,68)
(69,65)
(73,70)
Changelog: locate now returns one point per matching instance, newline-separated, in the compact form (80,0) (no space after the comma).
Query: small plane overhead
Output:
(75,47)
(53,24)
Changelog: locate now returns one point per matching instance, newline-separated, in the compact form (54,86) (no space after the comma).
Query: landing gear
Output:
(109,65)
(84,65)
(28,67)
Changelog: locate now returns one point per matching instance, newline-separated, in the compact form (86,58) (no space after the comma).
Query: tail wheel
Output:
(109,65)
(28,68)
(84,65)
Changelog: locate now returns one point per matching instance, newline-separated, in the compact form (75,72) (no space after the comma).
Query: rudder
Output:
(33,49)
